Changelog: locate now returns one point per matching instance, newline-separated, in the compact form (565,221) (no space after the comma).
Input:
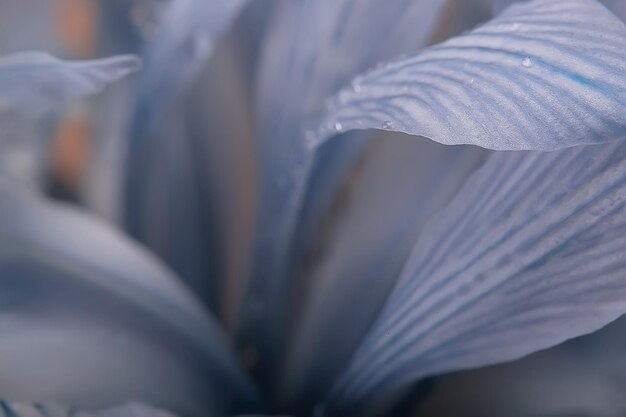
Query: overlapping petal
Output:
(90,319)
(397,185)
(528,254)
(313,47)
(584,376)
(32,83)
(543,75)
(178,50)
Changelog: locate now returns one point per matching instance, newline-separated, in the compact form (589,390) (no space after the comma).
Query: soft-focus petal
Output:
(32,83)
(312,49)
(187,178)
(126,410)
(178,50)
(396,186)
(187,164)
(528,254)
(582,377)
(47,409)
(90,319)
(543,75)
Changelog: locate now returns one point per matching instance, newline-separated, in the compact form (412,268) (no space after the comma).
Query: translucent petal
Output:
(313,47)
(47,409)
(359,250)
(178,50)
(528,254)
(190,181)
(32,83)
(90,319)
(585,377)
(543,75)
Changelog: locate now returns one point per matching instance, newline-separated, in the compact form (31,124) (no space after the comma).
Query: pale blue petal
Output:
(47,409)
(178,50)
(358,251)
(582,377)
(528,254)
(91,319)
(191,182)
(127,410)
(312,49)
(543,75)
(32,83)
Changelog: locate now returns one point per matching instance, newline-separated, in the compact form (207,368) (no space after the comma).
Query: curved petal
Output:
(398,184)
(313,47)
(528,254)
(32,83)
(126,410)
(543,75)
(46,409)
(90,319)
(179,49)
(585,377)
(194,176)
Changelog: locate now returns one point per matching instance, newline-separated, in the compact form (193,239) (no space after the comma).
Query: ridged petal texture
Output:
(528,254)
(32,83)
(543,75)
(359,253)
(90,319)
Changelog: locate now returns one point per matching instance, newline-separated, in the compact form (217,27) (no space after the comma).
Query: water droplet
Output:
(387,124)
(471,81)
(527,62)
(356,88)
(338,126)
(515,27)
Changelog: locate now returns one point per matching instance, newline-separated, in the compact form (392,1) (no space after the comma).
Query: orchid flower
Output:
(312,206)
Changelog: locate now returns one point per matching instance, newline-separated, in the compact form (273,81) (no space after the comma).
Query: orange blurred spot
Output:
(70,151)
(76,26)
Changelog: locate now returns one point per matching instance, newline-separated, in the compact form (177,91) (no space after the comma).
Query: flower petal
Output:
(32,83)
(312,48)
(585,377)
(45,409)
(543,75)
(361,247)
(90,319)
(178,51)
(529,253)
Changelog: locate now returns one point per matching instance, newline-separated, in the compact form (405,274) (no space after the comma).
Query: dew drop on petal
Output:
(356,88)
(387,124)
(527,62)
(515,27)
(338,127)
